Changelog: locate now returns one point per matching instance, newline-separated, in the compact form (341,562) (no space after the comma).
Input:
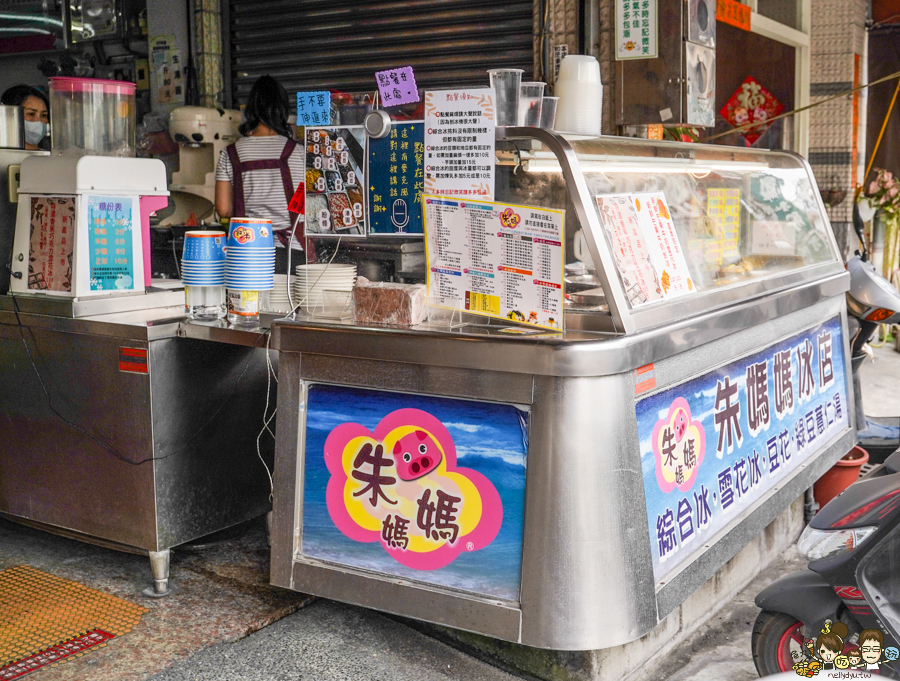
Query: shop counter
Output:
(569,487)
(129,428)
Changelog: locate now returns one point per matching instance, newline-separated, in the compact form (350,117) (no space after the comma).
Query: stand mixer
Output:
(201,134)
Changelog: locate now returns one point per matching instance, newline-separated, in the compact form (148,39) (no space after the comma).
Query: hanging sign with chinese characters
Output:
(459,143)
(397,86)
(396,180)
(713,446)
(427,488)
(110,243)
(314,108)
(636,29)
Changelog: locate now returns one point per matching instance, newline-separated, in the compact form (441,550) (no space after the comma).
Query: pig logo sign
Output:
(678,446)
(400,486)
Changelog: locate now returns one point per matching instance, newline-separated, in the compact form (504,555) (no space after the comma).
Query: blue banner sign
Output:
(713,446)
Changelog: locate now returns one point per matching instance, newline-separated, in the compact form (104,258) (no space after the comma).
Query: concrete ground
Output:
(881,382)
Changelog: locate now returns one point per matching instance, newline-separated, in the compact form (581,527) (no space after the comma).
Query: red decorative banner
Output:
(751,103)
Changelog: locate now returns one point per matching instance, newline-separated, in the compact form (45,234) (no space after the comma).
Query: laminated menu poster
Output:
(335,182)
(111,256)
(52,238)
(648,253)
(459,143)
(496,259)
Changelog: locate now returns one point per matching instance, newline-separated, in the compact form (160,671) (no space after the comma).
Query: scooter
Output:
(871,301)
(853,544)
(853,548)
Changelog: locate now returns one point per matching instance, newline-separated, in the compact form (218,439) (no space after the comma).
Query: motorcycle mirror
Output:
(859,226)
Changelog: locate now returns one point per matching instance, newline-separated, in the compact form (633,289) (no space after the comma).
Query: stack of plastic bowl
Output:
(580,95)
(203,274)
(279,300)
(506,84)
(249,267)
(322,288)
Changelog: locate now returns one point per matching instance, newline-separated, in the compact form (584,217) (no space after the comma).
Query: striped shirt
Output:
(263,189)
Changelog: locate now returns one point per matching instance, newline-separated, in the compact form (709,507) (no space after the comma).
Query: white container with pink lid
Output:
(92,117)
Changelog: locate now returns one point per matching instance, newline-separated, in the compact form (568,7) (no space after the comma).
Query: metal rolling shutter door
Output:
(339,44)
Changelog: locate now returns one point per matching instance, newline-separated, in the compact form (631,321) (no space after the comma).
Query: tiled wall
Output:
(208,45)
(837,47)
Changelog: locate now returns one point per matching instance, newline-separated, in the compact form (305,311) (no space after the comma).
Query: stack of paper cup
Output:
(250,259)
(580,95)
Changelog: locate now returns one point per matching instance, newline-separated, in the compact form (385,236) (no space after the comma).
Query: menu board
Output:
(110,243)
(630,250)
(459,143)
(396,180)
(335,158)
(645,245)
(724,207)
(496,259)
(663,244)
(52,238)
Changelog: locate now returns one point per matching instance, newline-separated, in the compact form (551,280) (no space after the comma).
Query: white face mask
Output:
(35,131)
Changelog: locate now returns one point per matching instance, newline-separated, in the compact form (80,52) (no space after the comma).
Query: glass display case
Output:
(670,230)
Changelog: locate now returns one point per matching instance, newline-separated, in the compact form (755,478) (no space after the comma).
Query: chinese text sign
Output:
(636,29)
(498,260)
(713,446)
(52,239)
(314,108)
(459,143)
(427,488)
(396,180)
(397,86)
(110,243)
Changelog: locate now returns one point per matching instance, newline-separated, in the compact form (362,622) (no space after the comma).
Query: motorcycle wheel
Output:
(775,637)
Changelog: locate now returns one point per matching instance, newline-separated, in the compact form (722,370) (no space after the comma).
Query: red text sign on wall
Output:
(734,13)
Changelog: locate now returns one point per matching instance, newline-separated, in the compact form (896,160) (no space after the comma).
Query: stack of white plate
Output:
(318,286)
(278,296)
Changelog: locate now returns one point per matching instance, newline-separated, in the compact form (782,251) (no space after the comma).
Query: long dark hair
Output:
(17,94)
(267,104)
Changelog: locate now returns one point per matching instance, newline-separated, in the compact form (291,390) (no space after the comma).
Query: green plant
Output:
(884,195)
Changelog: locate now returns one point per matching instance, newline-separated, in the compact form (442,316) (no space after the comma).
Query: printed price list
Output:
(496,259)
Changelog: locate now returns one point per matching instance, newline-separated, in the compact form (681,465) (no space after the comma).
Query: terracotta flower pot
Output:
(840,476)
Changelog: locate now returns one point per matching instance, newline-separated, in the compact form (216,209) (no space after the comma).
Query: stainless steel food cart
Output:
(124,426)
(588,480)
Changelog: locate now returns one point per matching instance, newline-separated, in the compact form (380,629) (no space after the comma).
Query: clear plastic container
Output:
(531,97)
(92,117)
(204,302)
(243,306)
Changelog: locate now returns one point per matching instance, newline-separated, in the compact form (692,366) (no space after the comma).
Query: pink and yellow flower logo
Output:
(678,446)
(400,486)
(509,218)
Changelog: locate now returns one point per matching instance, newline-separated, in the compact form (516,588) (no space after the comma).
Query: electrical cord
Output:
(270,373)
(97,440)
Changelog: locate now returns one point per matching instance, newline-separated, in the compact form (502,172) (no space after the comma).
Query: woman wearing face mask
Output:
(37,113)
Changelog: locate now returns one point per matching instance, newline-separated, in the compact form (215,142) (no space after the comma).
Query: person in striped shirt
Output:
(257,175)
